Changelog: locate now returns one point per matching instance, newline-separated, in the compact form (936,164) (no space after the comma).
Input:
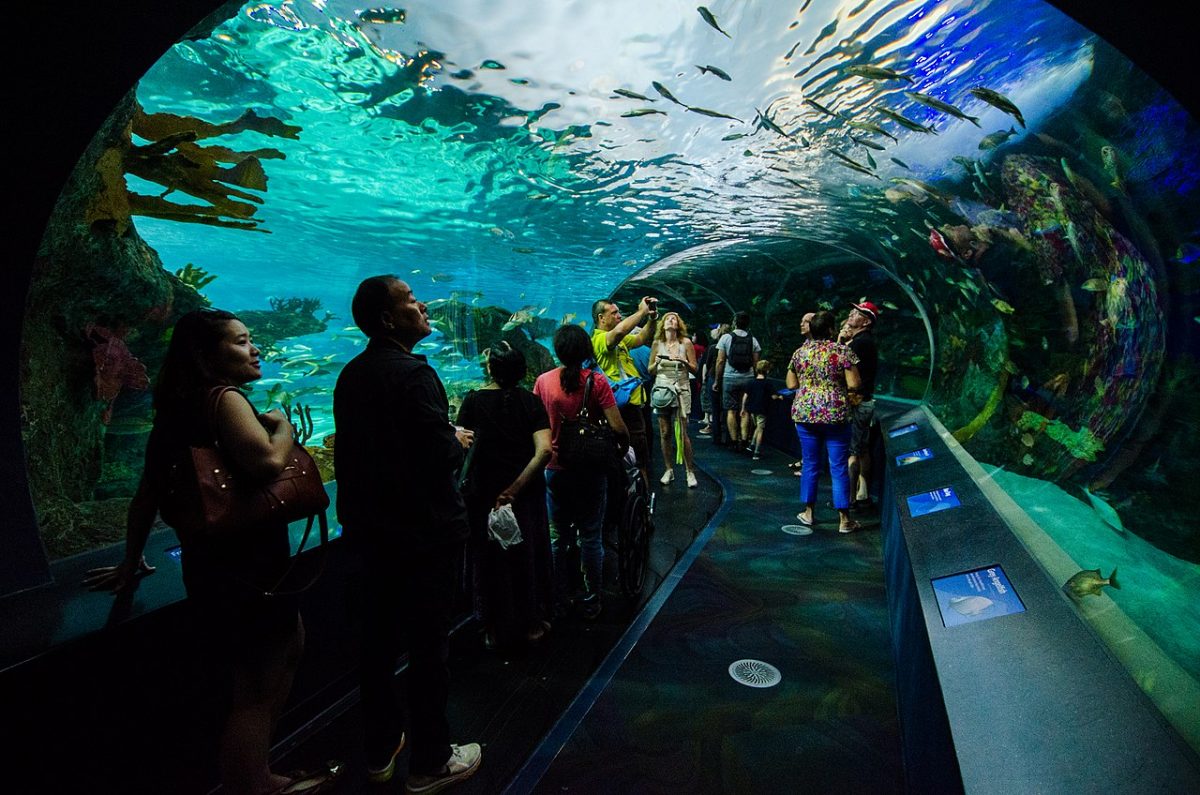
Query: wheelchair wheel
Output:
(633,545)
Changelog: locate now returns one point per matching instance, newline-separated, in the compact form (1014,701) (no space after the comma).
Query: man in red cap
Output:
(858,333)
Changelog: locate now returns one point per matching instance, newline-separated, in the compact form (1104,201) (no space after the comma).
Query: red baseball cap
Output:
(868,308)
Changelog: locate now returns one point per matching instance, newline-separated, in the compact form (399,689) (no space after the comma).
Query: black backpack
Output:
(741,352)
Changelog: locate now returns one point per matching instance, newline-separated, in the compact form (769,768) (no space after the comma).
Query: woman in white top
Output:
(672,361)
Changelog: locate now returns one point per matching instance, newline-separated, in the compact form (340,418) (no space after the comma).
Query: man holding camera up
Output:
(614,336)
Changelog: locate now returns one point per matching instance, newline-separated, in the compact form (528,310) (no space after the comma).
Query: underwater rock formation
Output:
(287,317)
(101,305)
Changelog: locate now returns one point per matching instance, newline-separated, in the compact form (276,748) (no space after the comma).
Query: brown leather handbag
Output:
(206,497)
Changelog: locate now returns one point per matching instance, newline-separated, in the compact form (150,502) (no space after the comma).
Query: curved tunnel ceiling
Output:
(1019,196)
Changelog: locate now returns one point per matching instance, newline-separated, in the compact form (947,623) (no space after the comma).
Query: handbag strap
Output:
(584,414)
(210,411)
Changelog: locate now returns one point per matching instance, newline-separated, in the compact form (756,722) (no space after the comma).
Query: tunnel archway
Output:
(1150,412)
(779,279)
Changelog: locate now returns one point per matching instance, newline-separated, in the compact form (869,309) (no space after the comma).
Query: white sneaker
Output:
(667,477)
(463,762)
(691,479)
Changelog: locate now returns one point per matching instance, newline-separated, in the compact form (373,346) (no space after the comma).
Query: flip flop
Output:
(306,782)
(806,522)
(850,528)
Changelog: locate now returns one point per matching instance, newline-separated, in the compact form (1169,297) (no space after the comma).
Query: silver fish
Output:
(712,70)
(904,121)
(661,89)
(998,100)
(712,113)
(624,92)
(937,104)
(708,17)
(876,73)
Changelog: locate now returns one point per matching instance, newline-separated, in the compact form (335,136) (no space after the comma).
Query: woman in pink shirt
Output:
(575,498)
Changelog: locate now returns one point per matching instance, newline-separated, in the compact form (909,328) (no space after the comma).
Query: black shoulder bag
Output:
(584,442)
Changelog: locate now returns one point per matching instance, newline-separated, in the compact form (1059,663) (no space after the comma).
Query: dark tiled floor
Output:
(671,719)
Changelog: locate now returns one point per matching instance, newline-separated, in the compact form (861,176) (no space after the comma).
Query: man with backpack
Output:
(737,354)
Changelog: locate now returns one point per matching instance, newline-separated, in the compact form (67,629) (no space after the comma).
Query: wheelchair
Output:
(629,526)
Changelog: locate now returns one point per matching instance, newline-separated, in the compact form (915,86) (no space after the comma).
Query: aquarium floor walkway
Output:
(642,700)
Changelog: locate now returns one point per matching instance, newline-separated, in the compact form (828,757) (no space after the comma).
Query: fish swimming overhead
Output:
(904,121)
(714,114)
(868,144)
(871,127)
(624,92)
(661,89)
(708,17)
(995,139)
(998,100)
(1089,582)
(876,73)
(631,114)
(937,104)
(712,70)
(823,109)
(766,122)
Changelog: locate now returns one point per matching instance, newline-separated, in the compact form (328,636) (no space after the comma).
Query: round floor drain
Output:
(797,529)
(760,471)
(755,673)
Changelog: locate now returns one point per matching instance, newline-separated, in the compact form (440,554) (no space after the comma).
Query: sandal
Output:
(849,527)
(806,522)
(304,782)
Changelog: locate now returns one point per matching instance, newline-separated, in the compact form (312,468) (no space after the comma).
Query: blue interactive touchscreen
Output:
(903,429)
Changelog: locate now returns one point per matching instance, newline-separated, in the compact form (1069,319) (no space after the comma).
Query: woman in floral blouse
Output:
(824,374)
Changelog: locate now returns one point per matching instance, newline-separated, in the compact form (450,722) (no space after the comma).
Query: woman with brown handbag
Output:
(256,639)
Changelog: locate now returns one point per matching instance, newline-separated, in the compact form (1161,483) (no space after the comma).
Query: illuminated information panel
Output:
(933,501)
(976,595)
(903,429)
(913,456)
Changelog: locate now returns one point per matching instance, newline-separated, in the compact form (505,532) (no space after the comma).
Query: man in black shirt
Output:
(858,333)
(397,458)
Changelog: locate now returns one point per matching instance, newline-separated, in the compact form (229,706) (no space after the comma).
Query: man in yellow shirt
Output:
(612,339)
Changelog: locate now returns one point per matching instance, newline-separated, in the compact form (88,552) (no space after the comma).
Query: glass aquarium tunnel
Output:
(1021,200)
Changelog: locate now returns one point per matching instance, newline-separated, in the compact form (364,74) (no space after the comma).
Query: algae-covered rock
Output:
(287,317)
(101,306)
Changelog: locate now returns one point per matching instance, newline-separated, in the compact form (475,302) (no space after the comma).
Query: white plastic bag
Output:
(503,527)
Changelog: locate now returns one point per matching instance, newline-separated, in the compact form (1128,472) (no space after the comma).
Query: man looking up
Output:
(612,339)
(858,333)
(397,459)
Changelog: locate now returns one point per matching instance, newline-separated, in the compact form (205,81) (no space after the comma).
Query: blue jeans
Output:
(836,439)
(575,503)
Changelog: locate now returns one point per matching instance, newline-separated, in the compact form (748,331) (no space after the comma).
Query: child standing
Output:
(754,406)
